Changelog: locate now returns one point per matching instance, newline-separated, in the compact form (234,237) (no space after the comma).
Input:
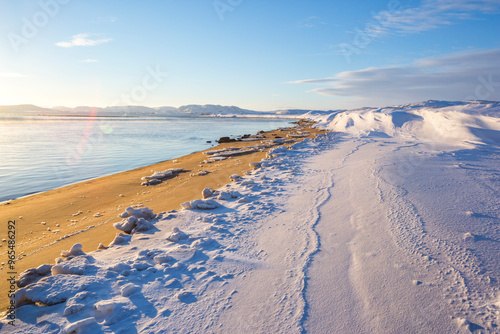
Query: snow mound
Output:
(75,266)
(449,123)
(175,235)
(77,327)
(129,289)
(33,274)
(53,290)
(135,220)
(200,204)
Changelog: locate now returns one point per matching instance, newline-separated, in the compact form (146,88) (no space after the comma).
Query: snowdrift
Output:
(449,123)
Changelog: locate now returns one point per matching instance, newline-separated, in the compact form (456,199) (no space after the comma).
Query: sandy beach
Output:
(50,222)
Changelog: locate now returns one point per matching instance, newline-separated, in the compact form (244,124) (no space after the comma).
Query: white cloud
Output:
(310,22)
(83,40)
(462,76)
(89,60)
(12,75)
(108,19)
(433,13)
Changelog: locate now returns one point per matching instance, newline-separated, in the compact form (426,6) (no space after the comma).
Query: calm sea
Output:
(42,153)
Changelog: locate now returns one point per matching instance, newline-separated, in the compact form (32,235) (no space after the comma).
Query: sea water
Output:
(43,153)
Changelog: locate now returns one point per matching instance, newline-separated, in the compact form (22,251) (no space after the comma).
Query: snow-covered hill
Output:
(192,110)
(444,122)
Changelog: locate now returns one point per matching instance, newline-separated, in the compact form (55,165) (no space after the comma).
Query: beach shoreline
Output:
(52,221)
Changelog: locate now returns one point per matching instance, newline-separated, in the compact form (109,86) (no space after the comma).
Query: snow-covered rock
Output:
(135,220)
(76,250)
(78,326)
(75,266)
(175,235)
(207,192)
(200,204)
(33,274)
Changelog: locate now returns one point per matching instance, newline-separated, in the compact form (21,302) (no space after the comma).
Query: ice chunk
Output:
(186,205)
(277,151)
(200,204)
(119,267)
(162,258)
(129,289)
(75,250)
(145,213)
(183,295)
(76,327)
(175,235)
(207,192)
(72,309)
(44,269)
(126,225)
(224,196)
(135,220)
(158,177)
(105,307)
(75,266)
(151,182)
(32,275)
(120,239)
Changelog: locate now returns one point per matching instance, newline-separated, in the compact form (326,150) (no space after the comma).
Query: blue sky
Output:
(262,55)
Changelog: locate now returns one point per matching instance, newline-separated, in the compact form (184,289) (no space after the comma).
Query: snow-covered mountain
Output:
(484,108)
(186,111)
(191,110)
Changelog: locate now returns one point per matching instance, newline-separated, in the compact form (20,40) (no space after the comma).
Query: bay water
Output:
(46,152)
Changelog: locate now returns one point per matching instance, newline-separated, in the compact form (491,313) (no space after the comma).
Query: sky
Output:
(260,55)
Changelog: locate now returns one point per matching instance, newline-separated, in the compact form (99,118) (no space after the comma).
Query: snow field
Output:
(173,273)
(389,225)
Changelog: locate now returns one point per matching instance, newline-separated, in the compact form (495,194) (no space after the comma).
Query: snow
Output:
(159,176)
(387,225)
(449,123)
(135,220)
(208,110)
(77,327)
(75,250)
(207,192)
(33,274)
(75,266)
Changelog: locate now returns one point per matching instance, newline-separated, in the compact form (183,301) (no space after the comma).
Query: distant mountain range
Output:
(208,110)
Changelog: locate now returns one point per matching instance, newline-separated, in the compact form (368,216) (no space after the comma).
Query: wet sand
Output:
(52,221)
